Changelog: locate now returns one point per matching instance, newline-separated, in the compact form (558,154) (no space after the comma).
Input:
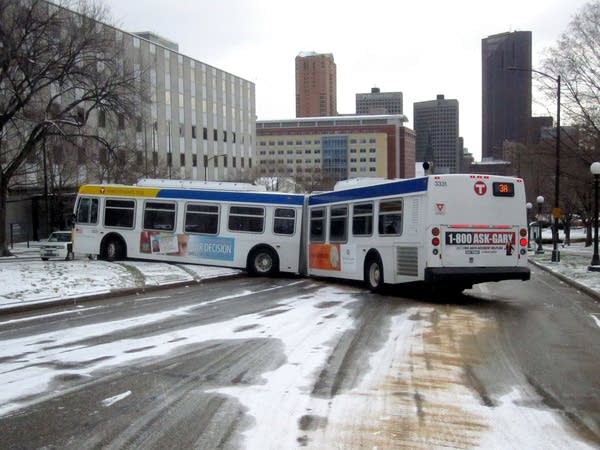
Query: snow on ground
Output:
(25,282)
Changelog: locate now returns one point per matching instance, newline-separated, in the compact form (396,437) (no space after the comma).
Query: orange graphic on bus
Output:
(324,256)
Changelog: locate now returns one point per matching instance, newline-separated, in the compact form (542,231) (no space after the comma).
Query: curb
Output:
(591,292)
(74,301)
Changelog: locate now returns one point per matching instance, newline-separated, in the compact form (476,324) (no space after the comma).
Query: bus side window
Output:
(246,218)
(203,219)
(317,225)
(87,211)
(362,219)
(338,224)
(119,213)
(390,217)
(159,216)
(284,222)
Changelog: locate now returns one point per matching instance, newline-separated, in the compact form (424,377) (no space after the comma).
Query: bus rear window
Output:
(159,216)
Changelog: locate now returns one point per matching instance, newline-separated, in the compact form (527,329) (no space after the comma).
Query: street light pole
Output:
(206,165)
(540,202)
(595,265)
(556,210)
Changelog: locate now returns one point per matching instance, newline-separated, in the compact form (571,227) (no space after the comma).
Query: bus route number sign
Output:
(479,238)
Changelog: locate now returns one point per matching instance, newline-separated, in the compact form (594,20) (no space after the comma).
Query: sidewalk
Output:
(27,282)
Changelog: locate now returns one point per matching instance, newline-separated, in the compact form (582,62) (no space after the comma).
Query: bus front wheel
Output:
(112,250)
(374,273)
(263,261)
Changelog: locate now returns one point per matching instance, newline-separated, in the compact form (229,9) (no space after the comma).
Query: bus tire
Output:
(112,249)
(374,273)
(263,261)
(44,259)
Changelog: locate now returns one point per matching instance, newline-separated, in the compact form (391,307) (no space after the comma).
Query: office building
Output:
(506,93)
(200,122)
(317,151)
(316,85)
(436,127)
(377,102)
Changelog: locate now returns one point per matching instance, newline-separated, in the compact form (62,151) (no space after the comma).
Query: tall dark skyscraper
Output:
(506,94)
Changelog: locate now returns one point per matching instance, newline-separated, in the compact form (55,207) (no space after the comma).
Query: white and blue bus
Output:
(225,224)
(444,230)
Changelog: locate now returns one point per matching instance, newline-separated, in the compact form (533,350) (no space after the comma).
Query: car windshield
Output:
(60,237)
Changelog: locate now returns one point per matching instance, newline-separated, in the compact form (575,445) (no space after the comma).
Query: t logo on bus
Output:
(480,188)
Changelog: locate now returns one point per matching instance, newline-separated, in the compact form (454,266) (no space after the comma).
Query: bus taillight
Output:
(435,231)
(523,242)
(435,241)
(523,232)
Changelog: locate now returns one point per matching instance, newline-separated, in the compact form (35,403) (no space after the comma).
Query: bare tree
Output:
(58,64)
(576,58)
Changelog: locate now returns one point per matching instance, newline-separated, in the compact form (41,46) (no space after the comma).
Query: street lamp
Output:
(206,164)
(528,205)
(540,201)
(556,209)
(595,265)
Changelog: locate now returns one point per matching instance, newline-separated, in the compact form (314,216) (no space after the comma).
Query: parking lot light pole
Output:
(540,201)
(595,265)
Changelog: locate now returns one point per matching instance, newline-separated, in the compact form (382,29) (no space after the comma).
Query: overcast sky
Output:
(421,48)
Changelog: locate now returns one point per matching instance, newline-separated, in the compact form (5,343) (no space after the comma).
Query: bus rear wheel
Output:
(263,261)
(374,273)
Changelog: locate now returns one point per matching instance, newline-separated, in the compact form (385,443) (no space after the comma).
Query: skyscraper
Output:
(436,126)
(377,102)
(316,85)
(506,94)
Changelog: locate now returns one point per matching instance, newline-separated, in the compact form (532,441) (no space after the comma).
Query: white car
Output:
(59,245)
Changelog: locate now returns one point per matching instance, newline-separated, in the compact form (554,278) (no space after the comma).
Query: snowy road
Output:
(287,363)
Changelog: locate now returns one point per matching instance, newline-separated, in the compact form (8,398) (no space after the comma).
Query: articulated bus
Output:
(444,230)
(225,224)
